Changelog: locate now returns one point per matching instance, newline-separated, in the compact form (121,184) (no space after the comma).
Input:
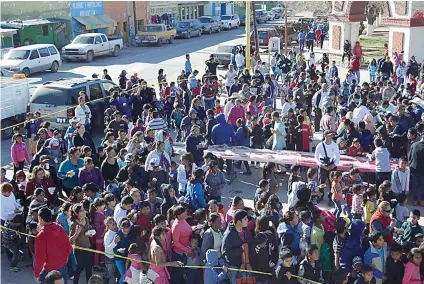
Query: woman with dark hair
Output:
(263,250)
(269,172)
(288,233)
(243,139)
(181,232)
(236,204)
(68,170)
(79,236)
(157,256)
(212,237)
(195,195)
(82,138)
(40,179)
(110,167)
(213,208)
(272,209)
(169,198)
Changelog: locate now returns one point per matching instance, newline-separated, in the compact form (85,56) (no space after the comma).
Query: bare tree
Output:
(373,9)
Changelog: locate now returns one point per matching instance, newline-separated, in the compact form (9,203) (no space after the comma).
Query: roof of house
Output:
(28,23)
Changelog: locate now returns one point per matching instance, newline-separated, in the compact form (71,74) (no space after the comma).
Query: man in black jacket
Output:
(232,243)
(211,122)
(285,66)
(138,175)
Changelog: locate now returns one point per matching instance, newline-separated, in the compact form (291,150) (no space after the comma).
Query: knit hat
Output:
(54,144)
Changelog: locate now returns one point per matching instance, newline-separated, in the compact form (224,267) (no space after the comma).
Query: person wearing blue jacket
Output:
(376,256)
(121,248)
(213,273)
(223,134)
(195,194)
(68,169)
(243,139)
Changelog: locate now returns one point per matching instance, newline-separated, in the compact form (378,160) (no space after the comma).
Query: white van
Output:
(30,59)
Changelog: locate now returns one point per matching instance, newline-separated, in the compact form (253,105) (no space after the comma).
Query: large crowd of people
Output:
(132,196)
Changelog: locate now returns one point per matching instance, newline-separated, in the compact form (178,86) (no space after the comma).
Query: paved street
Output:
(146,61)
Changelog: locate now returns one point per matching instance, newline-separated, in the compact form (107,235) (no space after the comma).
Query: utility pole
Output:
(286,30)
(135,18)
(255,28)
(248,35)
(128,14)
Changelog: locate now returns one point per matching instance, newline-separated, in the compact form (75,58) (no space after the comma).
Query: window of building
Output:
(42,30)
(200,11)
(125,27)
(140,25)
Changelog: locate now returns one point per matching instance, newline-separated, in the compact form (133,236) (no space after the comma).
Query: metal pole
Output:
(135,18)
(128,21)
(286,29)
(248,35)
(255,28)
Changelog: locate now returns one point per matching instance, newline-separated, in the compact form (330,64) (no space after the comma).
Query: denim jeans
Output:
(417,186)
(232,274)
(358,76)
(380,177)
(301,44)
(110,269)
(120,265)
(338,207)
(13,248)
(63,271)
(372,78)
(209,104)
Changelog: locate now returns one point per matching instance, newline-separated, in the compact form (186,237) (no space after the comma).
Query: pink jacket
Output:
(412,274)
(181,232)
(255,108)
(234,114)
(19,153)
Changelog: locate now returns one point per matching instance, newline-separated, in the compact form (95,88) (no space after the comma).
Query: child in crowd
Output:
(376,256)
(336,191)
(213,273)
(401,212)
(400,177)
(411,227)
(355,149)
(368,205)
(357,201)
(135,252)
(19,154)
(305,229)
(355,274)
(367,276)
(342,146)
(192,275)
(294,177)
(394,266)
(412,273)
(285,271)
(11,240)
(381,156)
(310,267)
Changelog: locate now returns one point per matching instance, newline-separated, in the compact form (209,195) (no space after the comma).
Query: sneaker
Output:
(14,269)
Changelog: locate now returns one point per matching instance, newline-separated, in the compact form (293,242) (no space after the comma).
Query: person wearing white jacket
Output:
(83,112)
(400,178)
(184,172)
(110,242)
(9,206)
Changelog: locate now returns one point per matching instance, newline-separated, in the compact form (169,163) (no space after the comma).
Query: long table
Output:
(289,158)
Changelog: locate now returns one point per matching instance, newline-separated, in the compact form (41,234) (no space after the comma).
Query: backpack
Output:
(191,200)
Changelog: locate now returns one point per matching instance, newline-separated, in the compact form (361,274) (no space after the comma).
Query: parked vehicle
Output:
(261,16)
(30,59)
(13,102)
(230,21)
(189,28)
(278,12)
(243,20)
(264,36)
(270,16)
(155,34)
(57,100)
(209,24)
(218,19)
(224,53)
(90,45)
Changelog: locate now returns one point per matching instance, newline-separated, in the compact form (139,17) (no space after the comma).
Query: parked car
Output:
(209,24)
(57,99)
(189,28)
(264,36)
(270,16)
(218,19)
(155,34)
(224,53)
(230,21)
(90,45)
(13,102)
(278,12)
(6,73)
(261,16)
(243,20)
(30,59)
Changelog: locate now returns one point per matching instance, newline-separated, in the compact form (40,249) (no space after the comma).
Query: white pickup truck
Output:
(87,46)
(230,21)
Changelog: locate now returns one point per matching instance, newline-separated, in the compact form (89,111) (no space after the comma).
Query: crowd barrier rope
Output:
(147,262)
(99,99)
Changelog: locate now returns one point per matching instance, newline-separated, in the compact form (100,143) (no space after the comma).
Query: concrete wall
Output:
(117,10)
(413,42)
(26,10)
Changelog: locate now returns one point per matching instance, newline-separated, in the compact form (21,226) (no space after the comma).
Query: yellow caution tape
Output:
(147,262)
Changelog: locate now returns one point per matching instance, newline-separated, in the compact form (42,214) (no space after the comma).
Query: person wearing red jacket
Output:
(52,247)
(355,64)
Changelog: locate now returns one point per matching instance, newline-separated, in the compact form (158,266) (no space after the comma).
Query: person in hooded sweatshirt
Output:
(223,134)
(232,243)
(52,247)
(214,274)
(169,198)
